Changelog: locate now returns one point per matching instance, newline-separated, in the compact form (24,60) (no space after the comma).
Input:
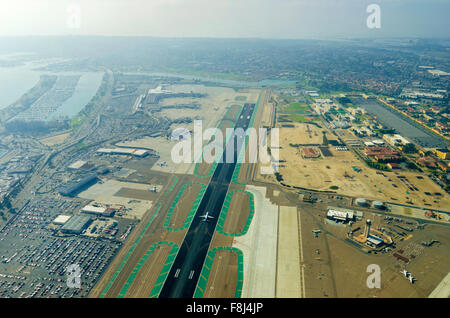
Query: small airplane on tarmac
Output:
(206,216)
(405,273)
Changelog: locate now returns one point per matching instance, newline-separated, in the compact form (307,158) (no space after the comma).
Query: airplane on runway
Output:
(206,216)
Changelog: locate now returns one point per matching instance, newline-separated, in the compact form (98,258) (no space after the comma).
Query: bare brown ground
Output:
(223,128)
(203,168)
(181,210)
(318,275)
(337,171)
(137,194)
(233,112)
(55,140)
(429,266)
(144,281)
(238,213)
(222,278)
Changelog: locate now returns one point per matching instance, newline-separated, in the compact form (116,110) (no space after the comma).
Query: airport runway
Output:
(184,274)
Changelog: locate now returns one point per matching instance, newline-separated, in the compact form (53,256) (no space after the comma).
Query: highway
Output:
(184,274)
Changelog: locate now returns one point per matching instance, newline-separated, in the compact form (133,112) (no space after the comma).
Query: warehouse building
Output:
(61,219)
(374,241)
(98,210)
(337,215)
(72,188)
(80,164)
(124,151)
(76,224)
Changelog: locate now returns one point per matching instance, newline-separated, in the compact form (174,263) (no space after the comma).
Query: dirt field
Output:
(233,112)
(238,213)
(55,140)
(143,282)
(184,205)
(336,173)
(222,278)
(429,265)
(303,134)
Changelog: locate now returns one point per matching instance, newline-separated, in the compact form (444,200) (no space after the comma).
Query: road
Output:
(184,274)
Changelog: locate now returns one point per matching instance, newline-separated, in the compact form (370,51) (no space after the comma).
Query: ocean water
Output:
(84,91)
(16,81)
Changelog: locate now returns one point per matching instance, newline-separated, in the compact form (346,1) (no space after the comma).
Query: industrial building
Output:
(72,188)
(61,219)
(76,224)
(124,151)
(98,210)
(374,241)
(337,215)
(80,164)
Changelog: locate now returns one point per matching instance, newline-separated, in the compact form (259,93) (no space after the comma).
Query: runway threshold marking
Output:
(124,261)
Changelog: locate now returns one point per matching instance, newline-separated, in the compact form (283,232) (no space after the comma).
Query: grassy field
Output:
(302,119)
(295,107)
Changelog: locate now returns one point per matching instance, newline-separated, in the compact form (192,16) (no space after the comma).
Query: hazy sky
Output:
(224,18)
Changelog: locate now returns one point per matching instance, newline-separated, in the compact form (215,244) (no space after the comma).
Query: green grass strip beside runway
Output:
(224,213)
(142,261)
(194,207)
(204,275)
(103,294)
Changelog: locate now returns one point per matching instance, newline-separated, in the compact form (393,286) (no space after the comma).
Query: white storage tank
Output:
(361,202)
(378,205)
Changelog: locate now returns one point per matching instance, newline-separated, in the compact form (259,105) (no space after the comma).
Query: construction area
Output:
(307,163)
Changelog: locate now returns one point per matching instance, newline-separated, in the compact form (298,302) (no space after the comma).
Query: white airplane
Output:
(411,279)
(405,273)
(206,216)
